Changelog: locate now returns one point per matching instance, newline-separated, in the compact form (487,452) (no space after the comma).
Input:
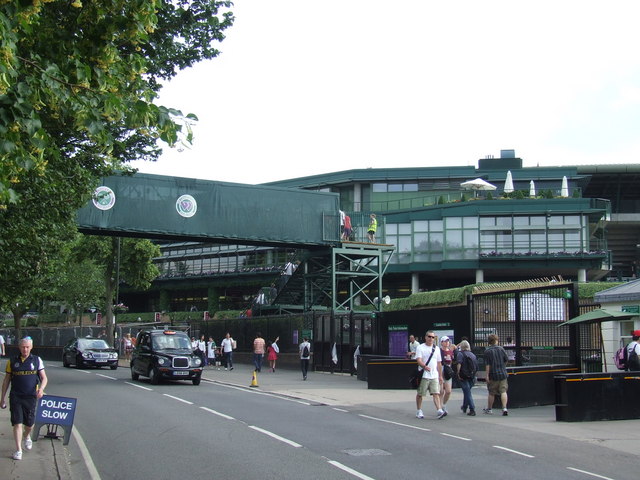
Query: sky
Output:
(307,87)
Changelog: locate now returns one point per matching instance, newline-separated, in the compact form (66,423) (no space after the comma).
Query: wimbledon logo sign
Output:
(186,206)
(104,198)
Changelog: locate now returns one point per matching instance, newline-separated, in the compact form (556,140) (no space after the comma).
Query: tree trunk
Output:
(18,313)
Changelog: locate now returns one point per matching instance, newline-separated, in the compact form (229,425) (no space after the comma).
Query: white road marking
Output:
(86,456)
(455,436)
(353,472)
(395,423)
(217,413)
(178,399)
(340,410)
(139,386)
(589,473)
(105,376)
(277,437)
(513,451)
(258,392)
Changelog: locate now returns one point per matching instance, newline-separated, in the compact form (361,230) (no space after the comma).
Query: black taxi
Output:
(165,354)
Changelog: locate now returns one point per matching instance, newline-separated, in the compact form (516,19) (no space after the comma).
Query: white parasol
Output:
(532,189)
(477,184)
(564,191)
(508,183)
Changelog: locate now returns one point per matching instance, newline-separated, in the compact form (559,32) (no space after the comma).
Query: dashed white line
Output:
(277,437)
(455,436)
(178,399)
(340,410)
(513,451)
(139,386)
(217,413)
(395,423)
(105,376)
(589,473)
(353,472)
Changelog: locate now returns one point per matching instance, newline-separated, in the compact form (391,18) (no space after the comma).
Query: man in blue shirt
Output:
(25,372)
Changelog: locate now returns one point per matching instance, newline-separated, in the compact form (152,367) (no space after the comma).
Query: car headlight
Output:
(162,361)
(196,362)
(113,355)
(87,355)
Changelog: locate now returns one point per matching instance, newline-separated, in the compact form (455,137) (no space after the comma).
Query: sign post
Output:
(52,410)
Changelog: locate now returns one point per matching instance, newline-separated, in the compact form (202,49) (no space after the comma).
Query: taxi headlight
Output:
(162,361)
(195,362)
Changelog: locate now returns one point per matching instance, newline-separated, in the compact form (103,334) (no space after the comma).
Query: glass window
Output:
(391,228)
(436,225)
(470,222)
(421,226)
(503,222)
(410,187)
(454,239)
(394,187)
(420,242)
(404,228)
(470,238)
(520,221)
(436,242)
(379,187)
(538,221)
(454,222)
(404,244)
(487,221)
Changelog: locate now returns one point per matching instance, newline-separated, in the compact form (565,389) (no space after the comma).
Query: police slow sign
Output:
(54,410)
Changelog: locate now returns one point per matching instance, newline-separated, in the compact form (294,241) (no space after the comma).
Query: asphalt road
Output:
(177,430)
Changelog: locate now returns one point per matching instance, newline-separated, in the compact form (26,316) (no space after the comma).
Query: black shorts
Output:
(23,410)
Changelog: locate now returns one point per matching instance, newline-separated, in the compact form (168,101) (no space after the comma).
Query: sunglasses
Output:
(431,336)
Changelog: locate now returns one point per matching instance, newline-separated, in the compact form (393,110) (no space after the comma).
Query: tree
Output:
(78,82)
(80,285)
(121,260)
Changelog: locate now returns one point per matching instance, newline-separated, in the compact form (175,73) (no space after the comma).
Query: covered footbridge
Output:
(187,209)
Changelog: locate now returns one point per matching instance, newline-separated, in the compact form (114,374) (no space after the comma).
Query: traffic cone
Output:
(254,380)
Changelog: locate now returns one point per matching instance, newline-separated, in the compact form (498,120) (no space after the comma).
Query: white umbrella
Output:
(564,191)
(532,189)
(478,184)
(508,183)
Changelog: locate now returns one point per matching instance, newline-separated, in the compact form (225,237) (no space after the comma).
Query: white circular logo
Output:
(104,198)
(186,206)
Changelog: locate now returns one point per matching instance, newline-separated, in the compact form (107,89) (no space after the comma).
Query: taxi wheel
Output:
(154,376)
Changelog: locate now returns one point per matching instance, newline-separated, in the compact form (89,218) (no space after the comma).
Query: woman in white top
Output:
(272,354)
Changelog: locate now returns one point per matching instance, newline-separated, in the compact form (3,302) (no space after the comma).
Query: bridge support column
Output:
(415,283)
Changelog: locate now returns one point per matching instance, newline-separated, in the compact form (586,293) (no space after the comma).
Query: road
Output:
(177,430)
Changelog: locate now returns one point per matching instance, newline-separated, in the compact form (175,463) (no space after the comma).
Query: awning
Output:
(599,315)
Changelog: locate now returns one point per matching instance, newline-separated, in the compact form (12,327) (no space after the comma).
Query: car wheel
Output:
(113,367)
(134,375)
(154,376)
(196,381)
(65,364)
(79,363)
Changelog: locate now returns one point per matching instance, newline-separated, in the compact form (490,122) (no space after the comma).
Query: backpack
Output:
(468,368)
(633,362)
(305,351)
(620,358)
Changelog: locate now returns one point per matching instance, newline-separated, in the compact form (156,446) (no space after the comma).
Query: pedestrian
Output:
(25,372)
(467,366)
(227,345)
(258,352)
(272,354)
(202,350)
(127,344)
(496,359)
(413,346)
(633,352)
(346,233)
(305,354)
(2,350)
(447,350)
(211,351)
(430,360)
(373,226)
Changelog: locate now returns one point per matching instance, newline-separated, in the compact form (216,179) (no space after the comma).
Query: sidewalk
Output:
(347,391)
(47,460)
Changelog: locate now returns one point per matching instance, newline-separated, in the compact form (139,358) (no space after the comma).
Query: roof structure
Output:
(622,293)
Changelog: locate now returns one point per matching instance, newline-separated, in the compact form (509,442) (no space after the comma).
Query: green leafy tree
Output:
(80,285)
(121,260)
(78,82)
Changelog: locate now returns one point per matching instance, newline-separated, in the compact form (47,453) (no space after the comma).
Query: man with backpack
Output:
(467,364)
(25,372)
(633,352)
(305,355)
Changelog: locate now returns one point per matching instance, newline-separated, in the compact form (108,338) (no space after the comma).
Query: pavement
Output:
(49,459)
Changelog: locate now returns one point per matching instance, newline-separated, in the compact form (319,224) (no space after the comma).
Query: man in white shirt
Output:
(430,360)
(227,349)
(413,346)
(633,362)
(2,351)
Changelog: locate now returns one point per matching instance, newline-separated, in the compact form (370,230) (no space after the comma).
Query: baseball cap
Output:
(444,339)
(636,333)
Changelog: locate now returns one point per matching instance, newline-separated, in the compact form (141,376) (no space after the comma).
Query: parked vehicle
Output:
(89,352)
(165,354)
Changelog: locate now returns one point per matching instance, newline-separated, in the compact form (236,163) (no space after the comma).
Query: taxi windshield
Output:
(171,342)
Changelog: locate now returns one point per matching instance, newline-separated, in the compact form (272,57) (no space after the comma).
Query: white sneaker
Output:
(28,444)
(419,414)
(17,455)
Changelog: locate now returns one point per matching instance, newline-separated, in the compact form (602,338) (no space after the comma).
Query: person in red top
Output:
(448,354)
(258,351)
(346,233)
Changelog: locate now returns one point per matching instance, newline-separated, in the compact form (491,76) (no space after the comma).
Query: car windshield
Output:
(171,342)
(94,343)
